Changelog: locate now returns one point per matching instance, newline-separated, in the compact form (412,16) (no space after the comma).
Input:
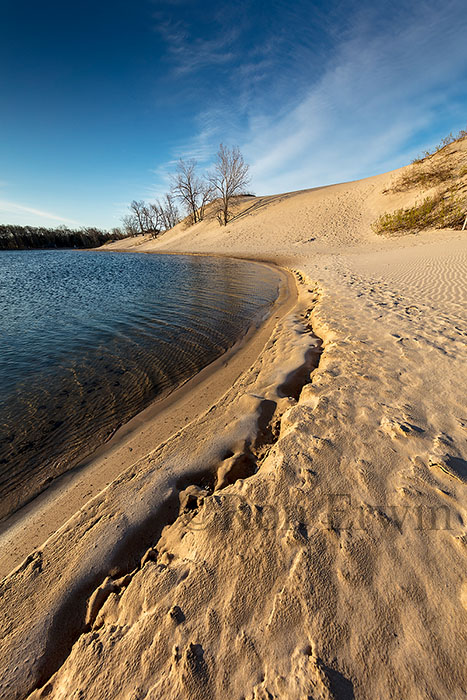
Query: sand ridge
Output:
(306,537)
(38,520)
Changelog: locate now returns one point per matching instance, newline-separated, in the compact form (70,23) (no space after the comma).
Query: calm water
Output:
(88,339)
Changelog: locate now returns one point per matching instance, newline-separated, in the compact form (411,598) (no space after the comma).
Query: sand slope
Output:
(306,537)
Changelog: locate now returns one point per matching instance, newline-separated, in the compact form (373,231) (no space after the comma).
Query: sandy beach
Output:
(297,528)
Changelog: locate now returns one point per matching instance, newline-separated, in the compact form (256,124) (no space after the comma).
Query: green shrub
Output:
(438,211)
(424,175)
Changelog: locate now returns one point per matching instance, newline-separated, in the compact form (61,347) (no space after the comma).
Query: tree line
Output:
(190,193)
(13,237)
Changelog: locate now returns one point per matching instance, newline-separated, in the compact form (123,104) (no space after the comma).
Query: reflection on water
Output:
(89,339)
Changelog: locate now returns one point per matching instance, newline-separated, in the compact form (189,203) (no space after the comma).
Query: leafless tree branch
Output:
(192,191)
(228,179)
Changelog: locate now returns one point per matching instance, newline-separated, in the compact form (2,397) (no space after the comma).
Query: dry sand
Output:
(304,537)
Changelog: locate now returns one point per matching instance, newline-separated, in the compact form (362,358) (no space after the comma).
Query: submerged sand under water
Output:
(326,557)
(88,340)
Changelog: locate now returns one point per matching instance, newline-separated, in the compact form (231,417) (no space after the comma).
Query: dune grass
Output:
(446,141)
(438,211)
(424,175)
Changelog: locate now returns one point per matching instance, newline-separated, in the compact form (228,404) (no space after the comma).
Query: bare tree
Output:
(190,189)
(205,196)
(144,218)
(169,211)
(130,225)
(14,237)
(229,178)
(140,215)
(153,219)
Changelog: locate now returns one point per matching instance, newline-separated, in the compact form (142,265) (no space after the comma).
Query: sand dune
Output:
(305,537)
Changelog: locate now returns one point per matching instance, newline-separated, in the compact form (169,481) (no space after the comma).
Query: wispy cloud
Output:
(377,93)
(386,84)
(188,53)
(199,149)
(15,209)
(345,93)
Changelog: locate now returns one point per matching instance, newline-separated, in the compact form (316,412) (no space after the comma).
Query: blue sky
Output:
(98,100)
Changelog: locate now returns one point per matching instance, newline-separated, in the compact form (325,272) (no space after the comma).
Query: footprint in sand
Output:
(395,428)
(412,310)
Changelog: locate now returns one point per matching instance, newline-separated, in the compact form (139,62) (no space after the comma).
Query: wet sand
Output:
(94,338)
(36,521)
(305,536)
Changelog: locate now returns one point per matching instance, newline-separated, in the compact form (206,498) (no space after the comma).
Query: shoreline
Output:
(116,532)
(263,551)
(33,523)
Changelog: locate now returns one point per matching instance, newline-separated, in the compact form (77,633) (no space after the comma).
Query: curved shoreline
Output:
(188,587)
(37,520)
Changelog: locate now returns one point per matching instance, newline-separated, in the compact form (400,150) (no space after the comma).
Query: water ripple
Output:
(89,339)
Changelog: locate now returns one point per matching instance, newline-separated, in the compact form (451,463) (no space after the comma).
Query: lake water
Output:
(88,339)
